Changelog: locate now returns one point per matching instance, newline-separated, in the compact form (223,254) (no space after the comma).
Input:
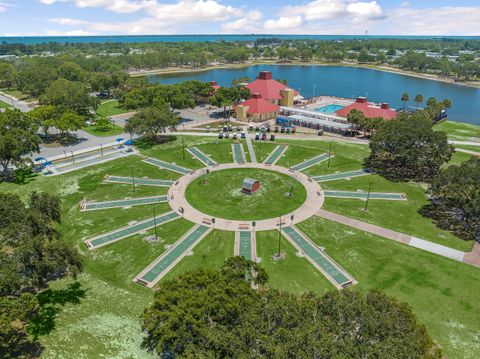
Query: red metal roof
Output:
(369,109)
(257,104)
(267,87)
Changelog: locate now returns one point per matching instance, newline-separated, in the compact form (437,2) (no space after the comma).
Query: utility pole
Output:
(155,223)
(329,154)
(101,149)
(73,157)
(279,237)
(368,197)
(183,147)
(133,180)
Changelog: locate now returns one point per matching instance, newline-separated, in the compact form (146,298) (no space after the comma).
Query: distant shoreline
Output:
(182,70)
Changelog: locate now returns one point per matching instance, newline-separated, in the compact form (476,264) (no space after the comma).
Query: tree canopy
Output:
(455,199)
(407,148)
(151,121)
(18,138)
(70,95)
(217,314)
(32,253)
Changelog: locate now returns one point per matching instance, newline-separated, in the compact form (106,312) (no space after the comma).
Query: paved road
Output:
(21,105)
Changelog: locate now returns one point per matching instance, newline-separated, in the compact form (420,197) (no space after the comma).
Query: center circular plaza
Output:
(191,189)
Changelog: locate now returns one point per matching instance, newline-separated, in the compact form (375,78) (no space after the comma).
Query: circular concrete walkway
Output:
(179,203)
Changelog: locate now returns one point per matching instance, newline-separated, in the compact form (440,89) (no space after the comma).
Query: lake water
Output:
(350,82)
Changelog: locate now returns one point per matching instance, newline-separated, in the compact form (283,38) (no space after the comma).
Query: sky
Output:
(336,17)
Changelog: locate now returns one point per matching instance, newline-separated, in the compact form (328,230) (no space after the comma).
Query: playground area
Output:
(140,226)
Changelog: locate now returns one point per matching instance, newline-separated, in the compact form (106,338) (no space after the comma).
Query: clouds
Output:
(218,16)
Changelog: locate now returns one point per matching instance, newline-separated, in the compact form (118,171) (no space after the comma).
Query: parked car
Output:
(243,135)
(288,130)
(220,135)
(208,128)
(320,133)
(294,129)
(282,130)
(272,137)
(276,129)
(250,128)
(227,135)
(264,136)
(234,136)
(257,136)
(238,129)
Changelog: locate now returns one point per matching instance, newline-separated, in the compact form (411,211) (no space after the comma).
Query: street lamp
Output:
(368,197)
(155,223)
(279,237)
(329,154)
(133,180)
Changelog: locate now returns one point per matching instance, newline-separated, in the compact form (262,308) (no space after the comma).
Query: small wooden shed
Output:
(250,186)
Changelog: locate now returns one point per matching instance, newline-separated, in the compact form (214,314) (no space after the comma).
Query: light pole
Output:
(183,147)
(329,154)
(279,237)
(368,197)
(133,180)
(155,223)
(73,157)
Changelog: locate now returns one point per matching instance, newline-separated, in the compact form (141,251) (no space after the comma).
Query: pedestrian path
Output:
(251,151)
(444,251)
(245,245)
(275,155)
(167,165)
(365,195)
(130,230)
(138,181)
(123,203)
(341,175)
(329,268)
(163,264)
(311,162)
(238,153)
(202,157)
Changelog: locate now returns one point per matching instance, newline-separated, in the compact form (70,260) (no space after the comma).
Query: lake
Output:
(350,82)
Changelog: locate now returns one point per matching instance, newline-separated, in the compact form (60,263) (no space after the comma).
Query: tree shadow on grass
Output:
(50,302)
(24,176)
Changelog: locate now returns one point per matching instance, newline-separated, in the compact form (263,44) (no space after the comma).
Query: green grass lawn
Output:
(18,94)
(293,273)
(110,108)
(107,321)
(5,105)
(442,292)
(222,195)
(111,131)
(459,131)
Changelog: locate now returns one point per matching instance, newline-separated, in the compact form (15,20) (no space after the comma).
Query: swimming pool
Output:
(329,108)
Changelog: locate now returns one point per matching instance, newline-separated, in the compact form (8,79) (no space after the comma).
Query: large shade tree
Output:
(455,199)
(217,314)
(407,148)
(18,139)
(151,121)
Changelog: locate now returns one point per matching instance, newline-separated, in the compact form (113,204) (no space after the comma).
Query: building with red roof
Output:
(271,90)
(214,85)
(256,109)
(369,109)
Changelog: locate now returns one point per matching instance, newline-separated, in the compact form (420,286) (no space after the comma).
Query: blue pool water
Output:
(329,108)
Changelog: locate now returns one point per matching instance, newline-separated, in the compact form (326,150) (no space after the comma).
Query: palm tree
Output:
(447,103)
(418,100)
(405,98)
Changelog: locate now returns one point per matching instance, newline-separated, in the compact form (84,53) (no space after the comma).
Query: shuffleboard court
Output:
(202,157)
(167,165)
(130,230)
(88,162)
(138,181)
(163,264)
(245,245)
(334,273)
(275,155)
(238,153)
(92,206)
(341,175)
(364,195)
(311,162)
